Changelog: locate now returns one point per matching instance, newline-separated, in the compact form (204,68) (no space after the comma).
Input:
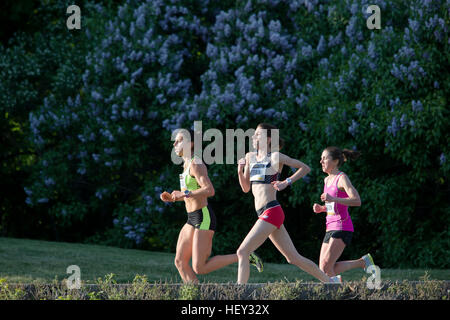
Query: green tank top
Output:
(187,182)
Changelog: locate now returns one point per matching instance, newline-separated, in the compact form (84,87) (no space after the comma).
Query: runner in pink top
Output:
(338,194)
(338,217)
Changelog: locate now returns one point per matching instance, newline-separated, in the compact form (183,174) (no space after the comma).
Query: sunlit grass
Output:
(27,261)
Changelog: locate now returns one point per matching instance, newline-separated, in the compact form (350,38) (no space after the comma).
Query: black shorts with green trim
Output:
(203,219)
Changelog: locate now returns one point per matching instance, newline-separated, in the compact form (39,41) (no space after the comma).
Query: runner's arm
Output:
(353,199)
(199,171)
(302,171)
(244,174)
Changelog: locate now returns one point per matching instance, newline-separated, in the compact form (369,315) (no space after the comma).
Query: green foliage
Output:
(188,291)
(140,290)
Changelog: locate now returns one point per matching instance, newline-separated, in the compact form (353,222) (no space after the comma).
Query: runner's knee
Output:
(242,253)
(199,268)
(327,267)
(179,263)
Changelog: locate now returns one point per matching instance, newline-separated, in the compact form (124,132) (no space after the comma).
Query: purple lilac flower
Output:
(212,111)
(395,71)
(301,100)
(140,22)
(267,73)
(309,4)
(96,96)
(137,73)
(353,127)
(211,51)
(269,112)
(403,121)
(278,62)
(303,126)
(335,41)
(323,63)
(49,182)
(393,128)
(442,159)
(351,28)
(354,8)
(359,108)
(405,52)
(371,50)
(307,51)
(322,46)
(416,106)
(414,25)
(377,99)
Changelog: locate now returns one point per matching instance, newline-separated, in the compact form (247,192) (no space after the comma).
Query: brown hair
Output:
(342,155)
(269,127)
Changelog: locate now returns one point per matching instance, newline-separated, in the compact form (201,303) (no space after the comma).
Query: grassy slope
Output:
(24,260)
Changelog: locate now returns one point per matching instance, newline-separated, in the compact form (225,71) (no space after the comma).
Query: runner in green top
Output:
(195,238)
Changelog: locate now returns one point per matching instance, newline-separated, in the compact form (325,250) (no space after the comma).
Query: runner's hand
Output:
(279,185)
(166,197)
(326,197)
(177,195)
(241,164)
(317,208)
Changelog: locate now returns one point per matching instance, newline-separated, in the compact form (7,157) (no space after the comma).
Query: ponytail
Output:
(350,154)
(342,155)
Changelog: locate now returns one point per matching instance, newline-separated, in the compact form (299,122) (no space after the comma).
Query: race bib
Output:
(182,183)
(257,172)
(330,208)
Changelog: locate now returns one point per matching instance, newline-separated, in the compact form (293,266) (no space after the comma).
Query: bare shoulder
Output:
(277,154)
(250,155)
(197,166)
(344,181)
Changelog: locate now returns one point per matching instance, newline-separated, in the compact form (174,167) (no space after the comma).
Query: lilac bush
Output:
(310,67)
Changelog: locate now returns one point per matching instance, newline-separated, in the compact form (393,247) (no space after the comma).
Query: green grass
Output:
(26,261)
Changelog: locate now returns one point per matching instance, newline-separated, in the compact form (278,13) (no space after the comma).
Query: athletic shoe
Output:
(368,260)
(256,261)
(336,279)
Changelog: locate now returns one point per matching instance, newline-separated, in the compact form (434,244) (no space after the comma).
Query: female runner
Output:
(196,236)
(259,172)
(338,194)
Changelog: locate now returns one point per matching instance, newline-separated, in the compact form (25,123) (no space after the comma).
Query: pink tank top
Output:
(338,217)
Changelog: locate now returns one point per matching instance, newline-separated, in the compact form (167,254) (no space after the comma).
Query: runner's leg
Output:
(255,238)
(201,250)
(333,251)
(184,253)
(280,238)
